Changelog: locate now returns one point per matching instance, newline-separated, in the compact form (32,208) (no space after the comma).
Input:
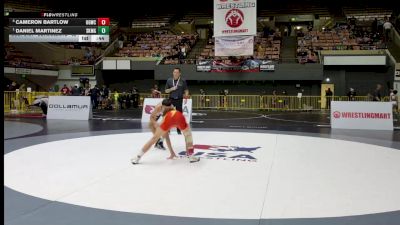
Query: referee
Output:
(176,87)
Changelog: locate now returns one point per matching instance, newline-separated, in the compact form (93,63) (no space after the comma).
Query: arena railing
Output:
(281,60)
(19,101)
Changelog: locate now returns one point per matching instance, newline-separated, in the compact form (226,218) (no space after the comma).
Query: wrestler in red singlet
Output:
(173,119)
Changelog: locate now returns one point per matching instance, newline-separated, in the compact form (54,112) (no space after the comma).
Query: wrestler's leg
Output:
(158,133)
(187,133)
(153,127)
(189,144)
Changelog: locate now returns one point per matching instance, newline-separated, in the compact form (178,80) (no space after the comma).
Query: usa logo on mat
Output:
(221,152)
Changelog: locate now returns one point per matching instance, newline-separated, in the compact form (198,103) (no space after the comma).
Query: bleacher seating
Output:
(149,21)
(296,9)
(193,16)
(150,45)
(25,6)
(267,47)
(16,58)
(339,38)
(366,14)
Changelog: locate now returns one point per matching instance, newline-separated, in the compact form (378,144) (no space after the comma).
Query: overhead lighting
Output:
(327,79)
(298,27)
(211,21)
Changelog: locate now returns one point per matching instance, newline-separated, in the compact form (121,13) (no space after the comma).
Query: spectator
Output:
(310,27)
(263,99)
(395,100)
(328,95)
(351,94)
(81,89)
(387,26)
(380,26)
(135,97)
(13,86)
(377,93)
(285,99)
(128,99)
(116,97)
(301,42)
(65,90)
(202,98)
(94,94)
(42,102)
(105,92)
(221,98)
(375,25)
(88,54)
(274,99)
(226,92)
(301,33)
(155,92)
(86,91)
(311,57)
(135,89)
(289,27)
(121,100)
(75,90)
(107,103)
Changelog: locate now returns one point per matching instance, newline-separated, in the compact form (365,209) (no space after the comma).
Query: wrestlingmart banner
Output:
(235,17)
(234,46)
(362,115)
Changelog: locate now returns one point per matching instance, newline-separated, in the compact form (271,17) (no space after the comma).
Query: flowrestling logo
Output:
(221,152)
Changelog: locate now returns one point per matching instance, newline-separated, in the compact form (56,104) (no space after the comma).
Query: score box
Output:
(103,22)
(103,30)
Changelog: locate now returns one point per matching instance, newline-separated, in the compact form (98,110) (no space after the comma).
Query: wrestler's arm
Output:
(169,145)
(153,117)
